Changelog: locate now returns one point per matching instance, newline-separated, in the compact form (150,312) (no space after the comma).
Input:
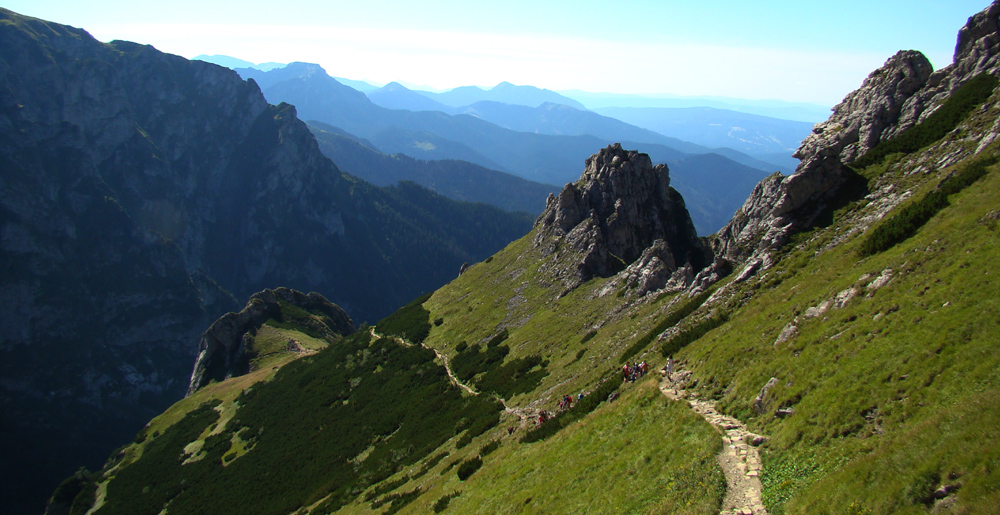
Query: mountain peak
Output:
(621,206)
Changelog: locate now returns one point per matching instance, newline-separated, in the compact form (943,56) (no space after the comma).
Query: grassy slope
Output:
(897,393)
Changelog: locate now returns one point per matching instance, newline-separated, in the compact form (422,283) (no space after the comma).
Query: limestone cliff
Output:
(901,93)
(612,217)
(140,194)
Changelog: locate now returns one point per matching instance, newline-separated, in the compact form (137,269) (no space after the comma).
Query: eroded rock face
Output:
(621,205)
(976,51)
(892,99)
(869,113)
(223,346)
(780,205)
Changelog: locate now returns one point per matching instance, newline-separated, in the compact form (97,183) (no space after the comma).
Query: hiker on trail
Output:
(668,368)
(626,371)
(579,397)
(643,368)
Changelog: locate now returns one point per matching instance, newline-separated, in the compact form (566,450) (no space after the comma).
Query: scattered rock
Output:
(844,297)
(790,331)
(759,404)
(945,491)
(881,280)
(817,311)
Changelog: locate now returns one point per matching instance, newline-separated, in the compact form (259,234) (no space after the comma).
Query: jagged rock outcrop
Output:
(976,51)
(893,98)
(223,346)
(612,216)
(780,205)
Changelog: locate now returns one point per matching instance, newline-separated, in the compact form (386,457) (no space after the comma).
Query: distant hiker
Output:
(579,397)
(669,368)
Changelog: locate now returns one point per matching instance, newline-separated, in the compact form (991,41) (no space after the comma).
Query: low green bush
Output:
(581,408)
(469,467)
(411,321)
(442,503)
(692,333)
(669,321)
(908,220)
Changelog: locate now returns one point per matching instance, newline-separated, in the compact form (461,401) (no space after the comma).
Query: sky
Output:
(796,51)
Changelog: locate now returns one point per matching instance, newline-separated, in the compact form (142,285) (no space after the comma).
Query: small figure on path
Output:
(668,368)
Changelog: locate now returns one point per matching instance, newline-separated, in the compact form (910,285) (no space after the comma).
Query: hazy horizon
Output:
(784,50)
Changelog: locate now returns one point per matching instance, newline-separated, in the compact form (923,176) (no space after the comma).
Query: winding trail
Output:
(739,458)
(442,357)
(523,415)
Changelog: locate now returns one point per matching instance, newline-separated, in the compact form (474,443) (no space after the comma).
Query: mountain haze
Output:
(433,135)
(505,93)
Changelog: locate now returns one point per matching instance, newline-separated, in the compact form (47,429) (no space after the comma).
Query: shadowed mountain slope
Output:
(140,194)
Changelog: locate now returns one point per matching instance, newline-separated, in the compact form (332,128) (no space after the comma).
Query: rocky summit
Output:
(614,214)
(894,98)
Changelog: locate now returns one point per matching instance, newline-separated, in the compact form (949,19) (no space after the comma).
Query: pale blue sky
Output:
(803,50)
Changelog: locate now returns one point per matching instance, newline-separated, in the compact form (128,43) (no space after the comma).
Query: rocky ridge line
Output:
(901,93)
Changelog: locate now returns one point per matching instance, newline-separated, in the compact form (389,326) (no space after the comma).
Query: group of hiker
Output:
(567,401)
(633,371)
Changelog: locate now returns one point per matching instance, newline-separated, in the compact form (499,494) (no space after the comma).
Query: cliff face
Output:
(614,214)
(895,97)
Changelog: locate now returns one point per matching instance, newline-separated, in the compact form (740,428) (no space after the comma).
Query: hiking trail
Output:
(442,357)
(739,458)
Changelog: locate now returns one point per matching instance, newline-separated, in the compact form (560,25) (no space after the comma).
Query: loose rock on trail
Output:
(739,459)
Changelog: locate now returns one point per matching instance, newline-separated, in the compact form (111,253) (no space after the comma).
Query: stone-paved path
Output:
(739,459)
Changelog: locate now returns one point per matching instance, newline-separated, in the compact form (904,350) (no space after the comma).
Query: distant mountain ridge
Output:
(545,158)
(458,180)
(753,134)
(233,62)
(794,111)
(505,93)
